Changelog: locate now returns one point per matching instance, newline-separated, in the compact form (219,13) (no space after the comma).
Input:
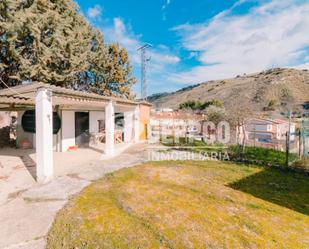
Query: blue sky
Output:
(199,40)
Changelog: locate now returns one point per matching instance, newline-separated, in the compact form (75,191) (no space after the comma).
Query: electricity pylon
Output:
(144,62)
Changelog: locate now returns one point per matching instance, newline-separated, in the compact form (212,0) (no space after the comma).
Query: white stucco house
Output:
(53,118)
(269,130)
(269,133)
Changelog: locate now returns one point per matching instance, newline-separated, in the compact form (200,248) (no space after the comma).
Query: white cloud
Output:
(164,7)
(167,3)
(162,61)
(272,34)
(161,56)
(94,12)
(118,32)
(165,58)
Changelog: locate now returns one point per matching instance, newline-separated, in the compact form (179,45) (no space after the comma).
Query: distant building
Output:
(270,133)
(167,122)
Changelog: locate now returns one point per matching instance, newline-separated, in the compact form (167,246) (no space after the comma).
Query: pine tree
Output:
(49,41)
(118,67)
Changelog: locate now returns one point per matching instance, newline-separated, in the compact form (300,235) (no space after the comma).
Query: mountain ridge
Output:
(282,88)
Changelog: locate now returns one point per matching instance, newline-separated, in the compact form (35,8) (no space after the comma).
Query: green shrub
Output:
(198,105)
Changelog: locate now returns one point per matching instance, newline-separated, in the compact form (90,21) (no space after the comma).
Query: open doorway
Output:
(82,136)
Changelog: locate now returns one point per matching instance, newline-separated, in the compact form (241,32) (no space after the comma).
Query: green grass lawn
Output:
(188,205)
(256,155)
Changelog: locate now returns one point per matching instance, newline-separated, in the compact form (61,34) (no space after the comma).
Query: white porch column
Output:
(44,134)
(109,129)
(136,124)
(128,126)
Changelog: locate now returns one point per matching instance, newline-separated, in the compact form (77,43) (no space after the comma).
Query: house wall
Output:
(94,116)
(21,134)
(66,136)
(293,130)
(68,126)
(68,130)
(261,127)
(5,119)
(128,126)
(144,121)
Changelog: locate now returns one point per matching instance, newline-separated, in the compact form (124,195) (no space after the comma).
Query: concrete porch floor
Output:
(18,167)
(27,208)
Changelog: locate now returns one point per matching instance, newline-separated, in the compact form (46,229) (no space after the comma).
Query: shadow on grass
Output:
(287,189)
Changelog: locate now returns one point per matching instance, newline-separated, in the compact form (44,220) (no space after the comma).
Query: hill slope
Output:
(281,87)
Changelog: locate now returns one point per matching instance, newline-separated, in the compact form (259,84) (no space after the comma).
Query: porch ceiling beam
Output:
(80,108)
(19,108)
(25,94)
(124,108)
(77,102)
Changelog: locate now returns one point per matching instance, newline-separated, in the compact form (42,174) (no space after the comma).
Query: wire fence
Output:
(294,143)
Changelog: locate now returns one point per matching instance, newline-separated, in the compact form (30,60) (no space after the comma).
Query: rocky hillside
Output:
(272,91)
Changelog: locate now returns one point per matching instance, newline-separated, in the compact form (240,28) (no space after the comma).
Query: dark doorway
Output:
(82,135)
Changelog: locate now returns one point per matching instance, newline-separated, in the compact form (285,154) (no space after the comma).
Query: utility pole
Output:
(254,135)
(144,61)
(299,142)
(288,134)
(305,135)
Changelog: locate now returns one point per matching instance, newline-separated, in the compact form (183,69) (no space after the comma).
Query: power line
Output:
(15,92)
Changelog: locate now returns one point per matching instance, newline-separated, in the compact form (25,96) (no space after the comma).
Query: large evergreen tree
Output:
(49,41)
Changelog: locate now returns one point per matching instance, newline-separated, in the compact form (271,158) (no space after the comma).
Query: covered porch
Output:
(61,125)
(18,170)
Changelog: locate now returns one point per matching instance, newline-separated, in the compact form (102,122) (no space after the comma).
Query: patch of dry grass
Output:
(188,205)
